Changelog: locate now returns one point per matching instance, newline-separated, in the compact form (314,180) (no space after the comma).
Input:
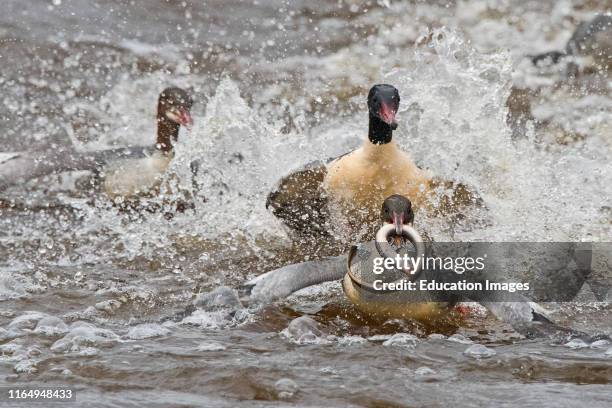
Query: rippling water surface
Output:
(97,299)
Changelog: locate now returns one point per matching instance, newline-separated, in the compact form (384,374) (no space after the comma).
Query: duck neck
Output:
(377,151)
(167,132)
(379,132)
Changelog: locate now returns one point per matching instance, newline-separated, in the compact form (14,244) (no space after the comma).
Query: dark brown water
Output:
(278,84)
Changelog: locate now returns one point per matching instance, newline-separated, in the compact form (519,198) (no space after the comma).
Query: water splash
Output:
(452,121)
(454,112)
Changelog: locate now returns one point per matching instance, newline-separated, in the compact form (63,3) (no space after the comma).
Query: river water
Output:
(96,299)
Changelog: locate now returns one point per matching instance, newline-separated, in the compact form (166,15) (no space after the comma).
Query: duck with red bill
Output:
(397,211)
(351,185)
(180,115)
(383,103)
(356,271)
(132,177)
(127,170)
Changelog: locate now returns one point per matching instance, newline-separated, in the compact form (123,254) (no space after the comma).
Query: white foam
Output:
(576,344)
(351,340)
(401,340)
(209,320)
(286,388)
(479,351)
(84,338)
(146,331)
(459,338)
(51,326)
(26,321)
(10,288)
(211,346)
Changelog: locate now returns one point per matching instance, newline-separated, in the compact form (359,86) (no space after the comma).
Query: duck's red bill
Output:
(185,119)
(387,114)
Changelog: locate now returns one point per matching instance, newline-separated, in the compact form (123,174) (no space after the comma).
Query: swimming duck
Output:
(134,176)
(356,272)
(591,38)
(355,182)
(128,170)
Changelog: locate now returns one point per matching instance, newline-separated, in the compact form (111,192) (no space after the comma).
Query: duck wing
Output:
(7,156)
(280,283)
(96,159)
(526,317)
(300,201)
(20,167)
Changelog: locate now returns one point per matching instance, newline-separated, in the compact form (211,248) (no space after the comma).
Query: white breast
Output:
(135,177)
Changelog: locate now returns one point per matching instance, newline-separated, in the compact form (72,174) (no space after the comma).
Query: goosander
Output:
(135,176)
(355,182)
(356,273)
(128,170)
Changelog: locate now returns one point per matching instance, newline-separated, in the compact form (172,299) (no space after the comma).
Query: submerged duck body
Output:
(308,199)
(20,167)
